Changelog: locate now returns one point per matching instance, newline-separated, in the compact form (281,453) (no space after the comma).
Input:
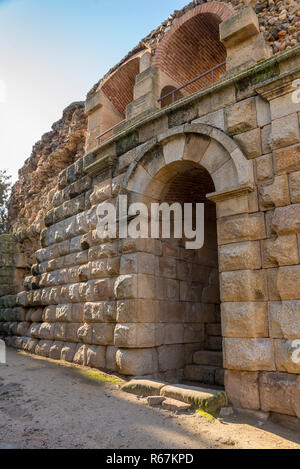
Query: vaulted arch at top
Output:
(192,45)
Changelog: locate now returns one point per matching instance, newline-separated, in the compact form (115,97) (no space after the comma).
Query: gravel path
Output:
(46,404)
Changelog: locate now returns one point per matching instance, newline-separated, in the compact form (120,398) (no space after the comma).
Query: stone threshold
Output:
(206,399)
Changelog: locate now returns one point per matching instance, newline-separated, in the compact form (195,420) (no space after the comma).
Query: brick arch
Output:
(119,86)
(192,45)
(193,144)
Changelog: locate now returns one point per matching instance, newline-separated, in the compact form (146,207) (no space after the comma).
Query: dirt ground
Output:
(46,404)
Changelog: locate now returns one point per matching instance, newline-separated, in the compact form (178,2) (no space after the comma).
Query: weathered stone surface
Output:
(249,354)
(241,228)
(275,194)
(284,319)
(155,400)
(241,116)
(244,319)
(250,143)
(173,404)
(240,256)
(96,357)
(242,389)
(277,392)
(286,220)
(135,362)
(285,131)
(143,387)
(280,251)
(264,168)
(294,184)
(206,399)
(135,335)
(244,285)
(287,159)
(284,283)
(287,355)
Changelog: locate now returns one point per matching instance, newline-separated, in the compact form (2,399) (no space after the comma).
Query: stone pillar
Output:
(146,90)
(244,43)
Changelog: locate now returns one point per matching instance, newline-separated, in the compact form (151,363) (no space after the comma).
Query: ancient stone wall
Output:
(128,305)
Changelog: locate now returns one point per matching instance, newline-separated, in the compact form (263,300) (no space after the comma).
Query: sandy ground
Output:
(45,404)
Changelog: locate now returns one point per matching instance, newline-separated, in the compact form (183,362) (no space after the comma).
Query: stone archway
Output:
(143,347)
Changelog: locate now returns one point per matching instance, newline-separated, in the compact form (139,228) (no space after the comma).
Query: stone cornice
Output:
(278,86)
(230,194)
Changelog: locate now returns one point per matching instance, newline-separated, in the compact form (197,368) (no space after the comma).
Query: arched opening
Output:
(169,95)
(187,285)
(192,51)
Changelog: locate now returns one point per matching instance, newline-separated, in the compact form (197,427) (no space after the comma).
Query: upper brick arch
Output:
(119,86)
(199,144)
(192,45)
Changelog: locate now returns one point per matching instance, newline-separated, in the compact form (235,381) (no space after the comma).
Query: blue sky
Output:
(53,51)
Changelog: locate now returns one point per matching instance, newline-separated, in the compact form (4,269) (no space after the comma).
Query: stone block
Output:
(284,319)
(284,283)
(241,228)
(55,350)
(277,392)
(239,27)
(242,389)
(285,131)
(287,356)
(294,184)
(241,117)
(244,285)
(286,220)
(173,404)
(80,357)
(266,139)
(250,143)
(263,112)
(135,362)
(111,363)
(135,335)
(264,168)
(249,354)
(170,357)
(280,251)
(68,352)
(287,159)
(240,256)
(275,194)
(215,119)
(96,357)
(248,319)
(103,334)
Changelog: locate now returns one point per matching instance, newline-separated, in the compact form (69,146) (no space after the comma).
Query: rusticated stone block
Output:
(80,356)
(294,183)
(170,357)
(285,131)
(287,354)
(244,285)
(284,283)
(111,363)
(130,311)
(275,194)
(55,350)
(85,333)
(264,168)
(68,352)
(96,356)
(136,362)
(103,334)
(250,143)
(280,251)
(43,348)
(286,220)
(249,354)
(266,135)
(103,311)
(135,335)
(284,319)
(240,256)
(277,392)
(241,228)
(287,159)
(241,116)
(244,319)
(242,389)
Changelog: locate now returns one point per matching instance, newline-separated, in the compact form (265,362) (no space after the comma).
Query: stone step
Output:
(205,374)
(204,398)
(208,357)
